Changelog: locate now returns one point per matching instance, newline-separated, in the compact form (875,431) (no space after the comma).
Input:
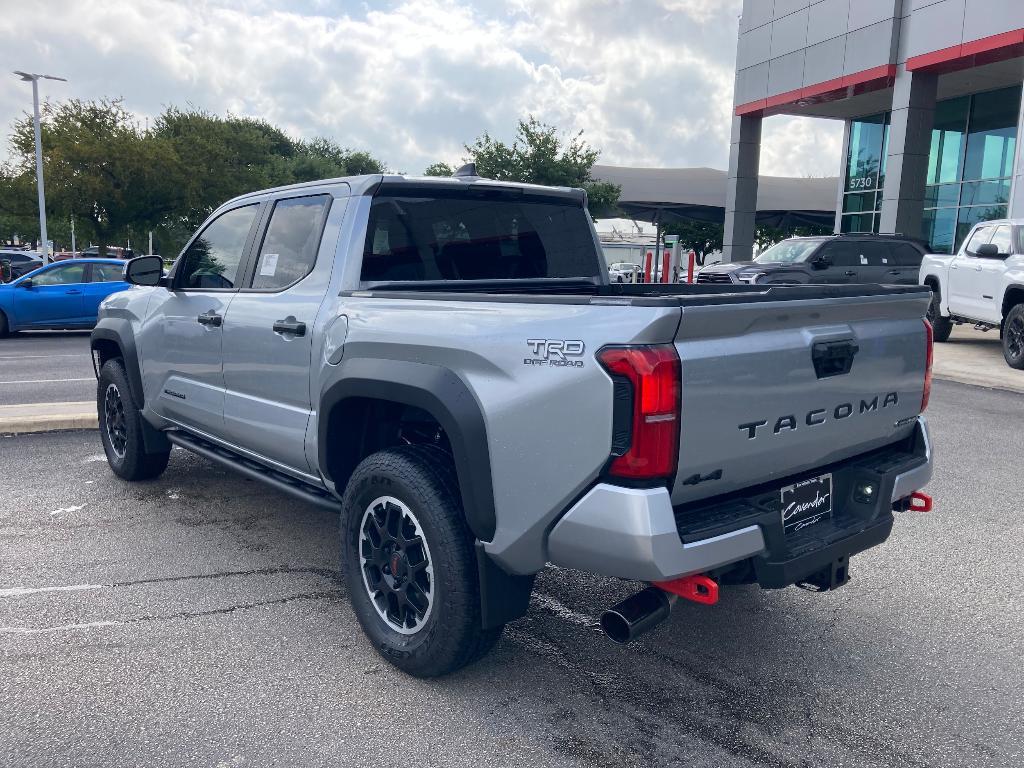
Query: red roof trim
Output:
(983,51)
(829,90)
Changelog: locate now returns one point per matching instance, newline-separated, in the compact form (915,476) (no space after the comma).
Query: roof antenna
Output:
(466,171)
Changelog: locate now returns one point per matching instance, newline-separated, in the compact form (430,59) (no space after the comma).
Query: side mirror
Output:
(144,270)
(26,283)
(822,262)
(987,251)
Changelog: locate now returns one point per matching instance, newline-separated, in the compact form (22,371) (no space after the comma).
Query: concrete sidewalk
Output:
(976,357)
(47,417)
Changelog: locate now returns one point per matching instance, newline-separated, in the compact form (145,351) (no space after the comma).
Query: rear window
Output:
(471,234)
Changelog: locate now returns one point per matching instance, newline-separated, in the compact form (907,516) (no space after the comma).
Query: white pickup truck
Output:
(982,284)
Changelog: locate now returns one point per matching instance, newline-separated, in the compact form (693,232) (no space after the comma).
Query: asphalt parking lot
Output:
(46,367)
(199,620)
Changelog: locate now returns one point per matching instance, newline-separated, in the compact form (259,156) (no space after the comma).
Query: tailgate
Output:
(756,406)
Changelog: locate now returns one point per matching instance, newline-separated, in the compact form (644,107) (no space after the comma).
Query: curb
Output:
(47,417)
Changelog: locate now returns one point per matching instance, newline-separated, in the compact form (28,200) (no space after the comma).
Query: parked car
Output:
(859,258)
(61,295)
(982,284)
(17,263)
(113,252)
(445,362)
(623,272)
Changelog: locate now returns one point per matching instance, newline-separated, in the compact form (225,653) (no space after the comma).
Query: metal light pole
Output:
(34,79)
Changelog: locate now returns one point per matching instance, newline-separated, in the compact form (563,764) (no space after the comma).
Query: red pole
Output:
(666,257)
(689,269)
(648,264)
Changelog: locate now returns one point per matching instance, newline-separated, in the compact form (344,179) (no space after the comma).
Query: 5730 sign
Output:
(862,182)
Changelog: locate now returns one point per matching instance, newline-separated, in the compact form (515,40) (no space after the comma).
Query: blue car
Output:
(63,295)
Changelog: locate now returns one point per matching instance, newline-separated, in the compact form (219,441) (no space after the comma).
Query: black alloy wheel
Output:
(395,561)
(113,409)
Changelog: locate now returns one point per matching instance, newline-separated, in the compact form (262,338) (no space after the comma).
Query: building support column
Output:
(741,190)
(843,163)
(906,165)
(1016,207)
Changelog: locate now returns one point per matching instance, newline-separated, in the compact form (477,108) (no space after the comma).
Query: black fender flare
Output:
(432,388)
(1012,288)
(119,331)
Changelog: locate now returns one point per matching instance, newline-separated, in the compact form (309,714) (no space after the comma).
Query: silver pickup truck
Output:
(445,363)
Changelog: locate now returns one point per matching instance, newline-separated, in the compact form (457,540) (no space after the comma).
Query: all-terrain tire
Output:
(1013,337)
(941,326)
(121,427)
(419,485)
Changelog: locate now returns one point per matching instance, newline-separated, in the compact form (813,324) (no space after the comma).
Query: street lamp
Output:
(34,79)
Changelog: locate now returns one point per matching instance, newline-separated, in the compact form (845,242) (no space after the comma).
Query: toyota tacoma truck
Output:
(445,363)
(982,285)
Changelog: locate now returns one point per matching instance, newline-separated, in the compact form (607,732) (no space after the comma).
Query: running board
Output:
(255,471)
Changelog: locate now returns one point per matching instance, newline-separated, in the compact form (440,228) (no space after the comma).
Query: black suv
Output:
(18,263)
(859,258)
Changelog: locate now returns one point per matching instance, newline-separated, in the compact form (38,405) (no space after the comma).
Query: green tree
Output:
(541,154)
(703,237)
(438,169)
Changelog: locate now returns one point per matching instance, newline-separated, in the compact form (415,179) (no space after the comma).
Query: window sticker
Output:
(863,260)
(269,266)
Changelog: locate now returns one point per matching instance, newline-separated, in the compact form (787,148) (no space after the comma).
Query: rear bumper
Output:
(637,534)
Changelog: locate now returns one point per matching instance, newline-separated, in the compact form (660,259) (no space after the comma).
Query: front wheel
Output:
(409,562)
(1013,337)
(121,427)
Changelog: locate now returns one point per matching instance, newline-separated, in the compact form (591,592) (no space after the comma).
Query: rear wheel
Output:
(1013,337)
(942,326)
(121,427)
(409,562)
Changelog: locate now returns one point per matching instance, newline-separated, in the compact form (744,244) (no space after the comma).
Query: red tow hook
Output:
(919,501)
(699,588)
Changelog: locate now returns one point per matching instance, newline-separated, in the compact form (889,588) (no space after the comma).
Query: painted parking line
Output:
(46,381)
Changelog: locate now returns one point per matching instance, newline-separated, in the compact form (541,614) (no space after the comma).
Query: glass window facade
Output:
(970,165)
(865,173)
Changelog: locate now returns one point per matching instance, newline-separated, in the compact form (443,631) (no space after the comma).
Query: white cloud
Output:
(649,81)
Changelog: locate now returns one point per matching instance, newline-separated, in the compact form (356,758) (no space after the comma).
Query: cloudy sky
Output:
(648,81)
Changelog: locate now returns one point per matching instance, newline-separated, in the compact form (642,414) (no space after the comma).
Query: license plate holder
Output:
(806,503)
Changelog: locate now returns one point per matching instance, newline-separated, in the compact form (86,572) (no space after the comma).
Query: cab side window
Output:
(980,237)
(289,248)
(843,254)
(906,255)
(62,275)
(107,273)
(1002,240)
(213,259)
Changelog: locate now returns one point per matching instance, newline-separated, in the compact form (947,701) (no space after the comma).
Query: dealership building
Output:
(930,94)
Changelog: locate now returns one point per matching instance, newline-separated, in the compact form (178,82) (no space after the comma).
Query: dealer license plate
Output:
(806,503)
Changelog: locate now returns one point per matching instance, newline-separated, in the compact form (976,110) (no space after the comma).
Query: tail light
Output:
(647,401)
(930,345)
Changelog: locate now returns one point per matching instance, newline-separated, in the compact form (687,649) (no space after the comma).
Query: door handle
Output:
(850,273)
(893,272)
(977,268)
(73,292)
(210,318)
(290,325)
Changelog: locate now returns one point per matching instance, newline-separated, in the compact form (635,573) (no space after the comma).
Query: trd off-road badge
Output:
(557,353)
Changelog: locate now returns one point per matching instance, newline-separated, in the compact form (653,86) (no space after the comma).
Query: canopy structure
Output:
(667,194)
